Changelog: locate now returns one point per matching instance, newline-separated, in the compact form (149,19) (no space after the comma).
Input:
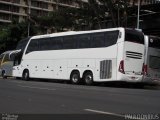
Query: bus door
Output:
(17,58)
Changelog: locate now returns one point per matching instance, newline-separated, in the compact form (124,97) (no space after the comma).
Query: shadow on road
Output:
(131,85)
(106,84)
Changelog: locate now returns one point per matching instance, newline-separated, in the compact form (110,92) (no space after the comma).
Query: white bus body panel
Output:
(58,64)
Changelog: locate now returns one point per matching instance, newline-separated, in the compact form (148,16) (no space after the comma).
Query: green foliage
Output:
(57,20)
(11,34)
(91,15)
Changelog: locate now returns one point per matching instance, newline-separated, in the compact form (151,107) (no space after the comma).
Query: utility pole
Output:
(138,14)
(118,15)
(29,11)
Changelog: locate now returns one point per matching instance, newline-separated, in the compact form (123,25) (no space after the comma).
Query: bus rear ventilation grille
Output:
(134,55)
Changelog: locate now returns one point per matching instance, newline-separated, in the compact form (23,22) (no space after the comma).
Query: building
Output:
(21,9)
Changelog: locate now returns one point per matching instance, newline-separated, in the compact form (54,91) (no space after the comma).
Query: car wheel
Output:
(3,75)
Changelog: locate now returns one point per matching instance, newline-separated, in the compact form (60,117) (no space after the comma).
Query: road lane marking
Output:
(103,112)
(36,87)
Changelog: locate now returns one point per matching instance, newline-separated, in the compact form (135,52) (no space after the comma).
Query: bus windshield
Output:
(22,44)
(154,42)
(134,36)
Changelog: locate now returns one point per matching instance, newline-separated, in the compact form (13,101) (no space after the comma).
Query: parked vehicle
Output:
(6,63)
(115,54)
(151,67)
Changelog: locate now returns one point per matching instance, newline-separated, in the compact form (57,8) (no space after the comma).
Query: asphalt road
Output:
(35,97)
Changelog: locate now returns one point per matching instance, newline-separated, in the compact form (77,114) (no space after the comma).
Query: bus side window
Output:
(59,43)
(69,42)
(111,38)
(33,46)
(97,40)
(45,43)
(84,41)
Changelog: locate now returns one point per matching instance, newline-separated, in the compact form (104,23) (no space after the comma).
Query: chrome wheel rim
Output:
(75,78)
(88,79)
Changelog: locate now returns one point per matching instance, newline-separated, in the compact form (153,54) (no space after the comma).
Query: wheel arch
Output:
(25,70)
(75,70)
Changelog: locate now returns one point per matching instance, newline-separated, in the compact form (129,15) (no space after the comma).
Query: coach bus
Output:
(151,67)
(115,54)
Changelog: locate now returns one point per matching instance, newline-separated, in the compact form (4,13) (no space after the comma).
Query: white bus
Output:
(115,54)
(151,67)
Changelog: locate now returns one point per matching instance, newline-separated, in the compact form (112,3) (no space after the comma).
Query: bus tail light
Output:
(144,69)
(121,67)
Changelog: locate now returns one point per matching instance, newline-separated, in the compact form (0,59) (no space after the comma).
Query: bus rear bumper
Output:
(131,78)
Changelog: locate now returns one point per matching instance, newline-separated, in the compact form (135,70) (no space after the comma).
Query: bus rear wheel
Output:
(25,75)
(88,78)
(75,77)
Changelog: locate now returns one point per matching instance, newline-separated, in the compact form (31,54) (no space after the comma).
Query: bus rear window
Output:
(154,42)
(154,62)
(134,36)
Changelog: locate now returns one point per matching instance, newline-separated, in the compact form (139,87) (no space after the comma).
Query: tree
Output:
(3,38)
(11,34)
(56,21)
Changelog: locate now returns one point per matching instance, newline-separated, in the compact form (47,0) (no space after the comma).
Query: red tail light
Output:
(121,67)
(144,69)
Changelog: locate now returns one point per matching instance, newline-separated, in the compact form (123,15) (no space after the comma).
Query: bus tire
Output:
(3,75)
(25,75)
(88,78)
(75,77)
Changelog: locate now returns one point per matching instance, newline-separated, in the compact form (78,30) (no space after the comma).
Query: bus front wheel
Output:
(25,75)
(75,77)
